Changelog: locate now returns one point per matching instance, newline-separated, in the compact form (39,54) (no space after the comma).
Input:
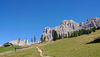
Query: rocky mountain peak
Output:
(90,23)
(70,26)
(65,27)
(66,22)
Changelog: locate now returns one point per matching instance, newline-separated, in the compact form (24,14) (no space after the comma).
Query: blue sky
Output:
(26,18)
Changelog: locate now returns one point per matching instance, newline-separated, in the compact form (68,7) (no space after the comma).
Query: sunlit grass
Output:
(9,48)
(73,47)
(70,47)
(29,52)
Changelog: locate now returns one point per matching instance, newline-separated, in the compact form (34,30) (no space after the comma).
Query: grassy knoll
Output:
(29,52)
(73,47)
(9,48)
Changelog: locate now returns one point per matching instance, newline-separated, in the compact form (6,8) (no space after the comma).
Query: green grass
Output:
(73,47)
(9,48)
(70,47)
(30,52)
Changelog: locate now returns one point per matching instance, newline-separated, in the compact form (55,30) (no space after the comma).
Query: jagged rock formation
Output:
(21,43)
(48,33)
(65,27)
(70,26)
(90,23)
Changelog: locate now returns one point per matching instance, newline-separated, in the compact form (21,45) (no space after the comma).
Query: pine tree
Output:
(94,29)
(88,31)
(71,35)
(68,35)
(55,37)
(42,40)
(79,32)
(26,41)
(59,37)
(18,41)
(65,36)
(34,39)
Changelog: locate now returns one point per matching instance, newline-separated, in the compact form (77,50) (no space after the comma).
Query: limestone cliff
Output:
(70,26)
(65,27)
(90,23)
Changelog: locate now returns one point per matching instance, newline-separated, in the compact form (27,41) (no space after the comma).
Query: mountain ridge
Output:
(70,26)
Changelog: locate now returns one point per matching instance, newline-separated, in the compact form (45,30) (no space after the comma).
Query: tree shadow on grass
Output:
(97,40)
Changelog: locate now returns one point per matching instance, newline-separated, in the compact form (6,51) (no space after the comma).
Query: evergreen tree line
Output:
(74,34)
(70,35)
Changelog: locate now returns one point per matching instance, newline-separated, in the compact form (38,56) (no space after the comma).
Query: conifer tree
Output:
(18,41)
(26,41)
(55,37)
(34,39)
(65,36)
(94,29)
(42,40)
(68,35)
(59,37)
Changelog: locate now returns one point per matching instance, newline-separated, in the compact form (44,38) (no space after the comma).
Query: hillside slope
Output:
(73,47)
(29,52)
(70,47)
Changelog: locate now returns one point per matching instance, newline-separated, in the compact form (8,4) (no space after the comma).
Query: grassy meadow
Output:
(9,48)
(29,52)
(73,47)
(69,47)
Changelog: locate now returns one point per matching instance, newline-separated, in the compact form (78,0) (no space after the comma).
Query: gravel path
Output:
(41,53)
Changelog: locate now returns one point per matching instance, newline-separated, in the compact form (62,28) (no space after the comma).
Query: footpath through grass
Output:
(73,47)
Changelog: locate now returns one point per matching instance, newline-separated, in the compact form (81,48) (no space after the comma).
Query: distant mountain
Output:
(70,26)
(90,23)
(21,43)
